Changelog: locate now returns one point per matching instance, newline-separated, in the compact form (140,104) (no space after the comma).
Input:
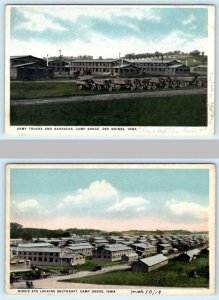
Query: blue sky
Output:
(106,30)
(110,199)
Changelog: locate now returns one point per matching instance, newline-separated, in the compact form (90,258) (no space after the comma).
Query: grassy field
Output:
(175,274)
(174,111)
(30,90)
(89,265)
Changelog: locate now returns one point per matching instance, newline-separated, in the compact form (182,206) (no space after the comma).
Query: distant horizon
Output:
(105,58)
(71,228)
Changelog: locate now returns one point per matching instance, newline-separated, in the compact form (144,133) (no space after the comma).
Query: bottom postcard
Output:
(110,229)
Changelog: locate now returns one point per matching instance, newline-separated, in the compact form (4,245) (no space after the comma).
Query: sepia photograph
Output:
(109,70)
(110,229)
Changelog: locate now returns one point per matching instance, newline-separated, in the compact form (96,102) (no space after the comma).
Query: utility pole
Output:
(60,59)
(162,62)
(119,62)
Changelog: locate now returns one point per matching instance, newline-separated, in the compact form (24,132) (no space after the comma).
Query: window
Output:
(51,259)
(50,254)
(40,253)
(34,259)
(40,259)
(45,259)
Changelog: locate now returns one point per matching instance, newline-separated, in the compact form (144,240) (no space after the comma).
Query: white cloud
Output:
(191,209)
(100,45)
(189,20)
(136,204)
(35,20)
(26,205)
(97,190)
(41,18)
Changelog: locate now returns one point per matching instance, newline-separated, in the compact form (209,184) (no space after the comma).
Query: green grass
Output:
(175,274)
(188,110)
(89,265)
(35,90)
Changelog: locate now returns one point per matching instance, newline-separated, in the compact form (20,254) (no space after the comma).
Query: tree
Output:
(15,230)
(195,53)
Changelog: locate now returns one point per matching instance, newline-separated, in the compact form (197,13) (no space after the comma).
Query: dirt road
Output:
(105,97)
(53,282)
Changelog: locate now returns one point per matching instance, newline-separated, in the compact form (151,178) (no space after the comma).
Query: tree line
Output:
(18,231)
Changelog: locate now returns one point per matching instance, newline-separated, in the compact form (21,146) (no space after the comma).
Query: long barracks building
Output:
(123,67)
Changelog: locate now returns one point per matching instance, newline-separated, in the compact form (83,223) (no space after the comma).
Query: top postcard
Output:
(110,70)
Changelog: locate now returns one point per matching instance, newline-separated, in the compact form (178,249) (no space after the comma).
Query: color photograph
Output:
(110,229)
(110,70)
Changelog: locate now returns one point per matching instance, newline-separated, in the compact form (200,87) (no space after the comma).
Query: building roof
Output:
(75,247)
(141,245)
(94,60)
(25,64)
(37,245)
(153,260)
(21,56)
(40,249)
(176,66)
(193,252)
(165,245)
(149,61)
(116,247)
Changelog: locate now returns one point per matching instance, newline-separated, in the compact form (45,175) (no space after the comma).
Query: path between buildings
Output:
(105,97)
(53,282)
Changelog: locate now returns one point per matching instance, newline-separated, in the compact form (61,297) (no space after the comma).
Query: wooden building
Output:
(50,256)
(129,68)
(129,258)
(119,67)
(111,252)
(60,67)
(159,67)
(144,249)
(150,263)
(29,68)
(85,249)
(164,247)
(201,69)
(189,255)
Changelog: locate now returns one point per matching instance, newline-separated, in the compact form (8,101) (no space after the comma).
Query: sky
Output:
(110,199)
(106,30)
